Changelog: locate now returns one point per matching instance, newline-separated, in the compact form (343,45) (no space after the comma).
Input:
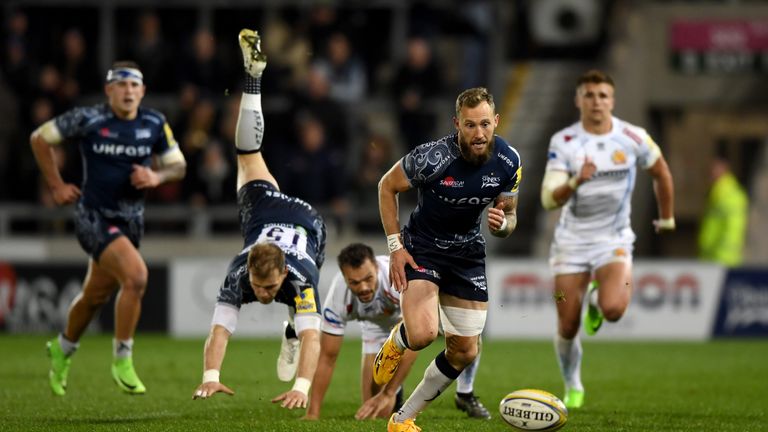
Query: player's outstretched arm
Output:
(297,397)
(664,188)
(382,403)
(62,193)
(330,346)
(215,349)
(390,185)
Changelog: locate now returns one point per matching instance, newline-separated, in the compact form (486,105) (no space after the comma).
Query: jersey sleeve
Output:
(512,187)
(72,123)
(231,290)
(424,163)
(557,155)
(648,152)
(334,309)
(166,146)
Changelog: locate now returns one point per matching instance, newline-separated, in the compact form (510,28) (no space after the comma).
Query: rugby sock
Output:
(401,339)
(290,332)
(465,383)
(569,358)
(122,348)
(593,297)
(67,347)
(438,376)
(250,122)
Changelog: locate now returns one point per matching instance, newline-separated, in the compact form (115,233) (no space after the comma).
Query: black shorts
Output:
(95,232)
(458,271)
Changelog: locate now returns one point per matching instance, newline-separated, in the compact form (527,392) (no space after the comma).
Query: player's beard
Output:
(473,158)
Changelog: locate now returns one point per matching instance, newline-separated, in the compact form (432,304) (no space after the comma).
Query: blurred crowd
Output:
(342,101)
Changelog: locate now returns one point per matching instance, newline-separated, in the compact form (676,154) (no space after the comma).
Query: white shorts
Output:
(587,258)
(374,336)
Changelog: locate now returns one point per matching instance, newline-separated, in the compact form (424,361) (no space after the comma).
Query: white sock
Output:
(593,297)
(435,381)
(465,383)
(67,346)
(122,348)
(249,130)
(399,342)
(569,358)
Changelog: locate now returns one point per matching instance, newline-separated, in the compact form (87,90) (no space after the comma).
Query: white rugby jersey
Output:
(600,208)
(341,305)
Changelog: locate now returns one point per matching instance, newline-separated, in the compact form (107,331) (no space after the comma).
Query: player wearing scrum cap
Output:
(118,141)
(591,173)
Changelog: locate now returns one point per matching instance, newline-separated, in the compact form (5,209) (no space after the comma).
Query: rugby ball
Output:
(533,410)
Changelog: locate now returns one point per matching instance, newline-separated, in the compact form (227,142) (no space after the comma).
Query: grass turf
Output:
(637,386)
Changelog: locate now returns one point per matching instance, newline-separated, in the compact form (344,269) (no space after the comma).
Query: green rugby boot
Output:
(573,399)
(593,317)
(57,375)
(126,378)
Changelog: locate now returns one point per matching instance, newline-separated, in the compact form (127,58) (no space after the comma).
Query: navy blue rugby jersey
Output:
(295,227)
(452,192)
(109,147)
(298,291)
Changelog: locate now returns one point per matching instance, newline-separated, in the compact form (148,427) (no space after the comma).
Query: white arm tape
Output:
(393,242)
(302,385)
(172,155)
(552,180)
(50,132)
(225,315)
(211,375)
(303,322)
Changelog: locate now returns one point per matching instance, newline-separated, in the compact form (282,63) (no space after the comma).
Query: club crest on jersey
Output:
(451,182)
(143,134)
(490,181)
(619,157)
(619,252)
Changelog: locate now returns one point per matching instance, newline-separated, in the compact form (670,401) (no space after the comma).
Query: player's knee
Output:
(136,282)
(569,329)
(421,339)
(614,312)
(461,355)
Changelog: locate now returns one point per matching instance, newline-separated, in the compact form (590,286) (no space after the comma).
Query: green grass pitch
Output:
(631,386)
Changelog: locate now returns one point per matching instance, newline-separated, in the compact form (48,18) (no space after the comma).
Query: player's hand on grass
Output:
(65,193)
(292,399)
(380,406)
(208,389)
(397,262)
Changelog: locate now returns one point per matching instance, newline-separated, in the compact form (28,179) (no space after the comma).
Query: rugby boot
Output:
(593,317)
(573,398)
(253,59)
(406,426)
(288,360)
(387,359)
(472,406)
(125,376)
(57,375)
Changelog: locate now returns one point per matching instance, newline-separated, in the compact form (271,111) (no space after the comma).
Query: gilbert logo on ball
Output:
(533,410)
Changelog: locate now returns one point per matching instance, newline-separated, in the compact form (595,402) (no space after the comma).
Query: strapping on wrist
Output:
(394,243)
(302,385)
(211,375)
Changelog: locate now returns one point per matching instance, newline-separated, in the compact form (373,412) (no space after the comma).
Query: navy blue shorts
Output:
(458,271)
(95,232)
(262,204)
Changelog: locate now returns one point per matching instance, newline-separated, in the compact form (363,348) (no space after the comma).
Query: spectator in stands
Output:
(375,160)
(202,68)
(77,66)
(345,71)
(289,54)
(417,80)
(152,52)
(315,100)
(724,224)
(316,173)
